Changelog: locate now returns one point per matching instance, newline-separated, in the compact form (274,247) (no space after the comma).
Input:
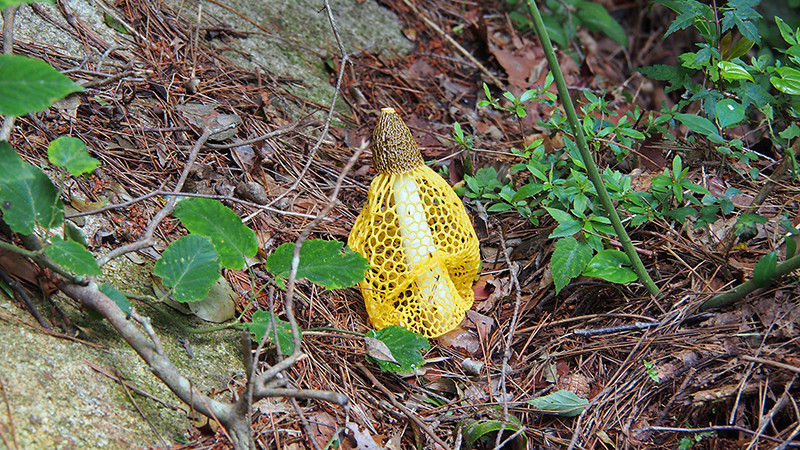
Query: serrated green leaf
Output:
(29,85)
(568,260)
(73,257)
(610,266)
(117,297)
(595,17)
(27,196)
(321,262)
(563,403)
(732,71)
(189,266)
(233,240)
(766,267)
(262,324)
(71,153)
(405,347)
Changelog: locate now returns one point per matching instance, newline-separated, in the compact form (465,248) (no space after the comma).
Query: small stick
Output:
(410,414)
(455,44)
(10,417)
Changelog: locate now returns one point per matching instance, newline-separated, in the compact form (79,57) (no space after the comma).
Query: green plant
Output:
(565,16)
(729,90)
(650,368)
(557,183)
(687,442)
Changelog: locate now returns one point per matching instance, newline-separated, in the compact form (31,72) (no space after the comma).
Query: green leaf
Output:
(71,153)
(6,3)
(404,346)
(595,17)
(786,32)
(73,233)
(701,125)
(27,196)
(117,297)
(115,24)
(262,324)
(321,262)
(483,433)
(73,256)
(791,246)
(787,81)
(499,207)
(764,272)
(29,85)
(233,240)
(729,112)
(563,403)
(609,265)
(568,260)
(189,266)
(732,71)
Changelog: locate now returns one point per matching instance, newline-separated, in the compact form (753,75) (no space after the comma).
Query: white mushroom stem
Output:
(417,240)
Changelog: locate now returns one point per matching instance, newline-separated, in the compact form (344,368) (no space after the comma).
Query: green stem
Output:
(588,161)
(734,295)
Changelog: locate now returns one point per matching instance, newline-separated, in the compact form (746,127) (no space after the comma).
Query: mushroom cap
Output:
(394,149)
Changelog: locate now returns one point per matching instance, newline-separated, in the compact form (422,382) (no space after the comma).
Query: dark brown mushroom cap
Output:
(394,149)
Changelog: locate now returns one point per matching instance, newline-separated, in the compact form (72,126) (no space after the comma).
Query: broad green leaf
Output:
(71,153)
(27,196)
(189,266)
(117,297)
(568,260)
(405,347)
(729,112)
(740,48)
(563,403)
(321,262)
(610,266)
(73,257)
(29,85)
(732,71)
(568,228)
(701,125)
(262,324)
(595,17)
(764,272)
(233,240)
(787,81)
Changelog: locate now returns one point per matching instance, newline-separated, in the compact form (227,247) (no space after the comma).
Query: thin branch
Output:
(188,194)
(455,44)
(336,91)
(147,239)
(410,414)
(8,49)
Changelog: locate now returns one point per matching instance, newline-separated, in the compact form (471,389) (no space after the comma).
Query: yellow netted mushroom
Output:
(419,241)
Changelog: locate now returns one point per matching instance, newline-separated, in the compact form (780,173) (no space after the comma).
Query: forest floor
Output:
(654,370)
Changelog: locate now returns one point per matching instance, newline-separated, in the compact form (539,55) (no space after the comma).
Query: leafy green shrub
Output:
(565,16)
